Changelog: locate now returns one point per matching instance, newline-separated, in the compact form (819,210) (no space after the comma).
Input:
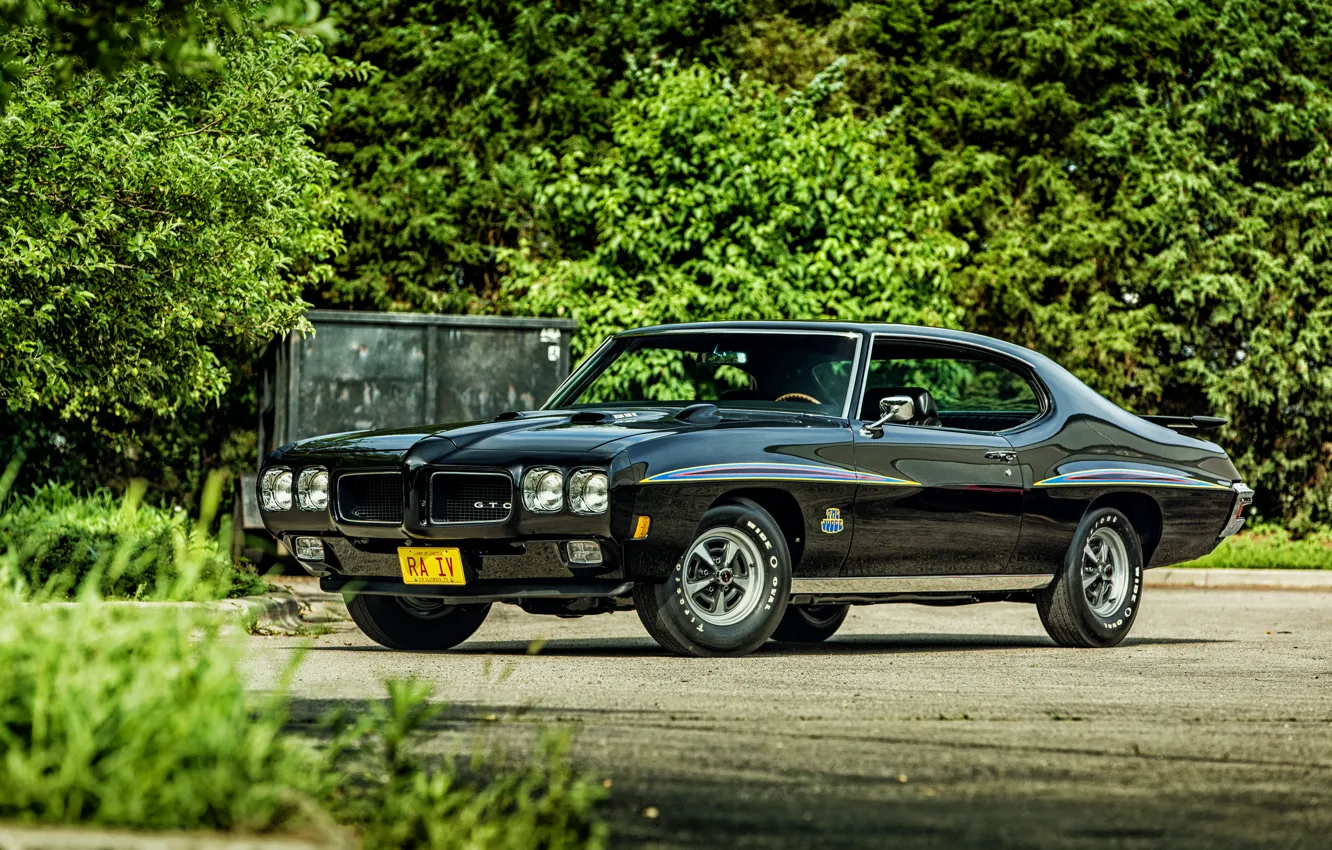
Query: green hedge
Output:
(58,543)
(1271,547)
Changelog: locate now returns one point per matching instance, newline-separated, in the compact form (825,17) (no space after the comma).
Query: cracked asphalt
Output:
(1211,726)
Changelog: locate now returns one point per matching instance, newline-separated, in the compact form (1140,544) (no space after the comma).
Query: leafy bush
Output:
(140,718)
(723,200)
(153,230)
(1270,547)
(60,544)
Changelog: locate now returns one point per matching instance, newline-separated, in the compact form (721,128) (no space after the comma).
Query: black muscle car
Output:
(735,482)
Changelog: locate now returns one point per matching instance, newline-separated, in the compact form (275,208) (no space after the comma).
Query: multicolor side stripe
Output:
(1130,477)
(774,472)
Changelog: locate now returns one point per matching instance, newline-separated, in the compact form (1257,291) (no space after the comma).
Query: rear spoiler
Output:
(1188,423)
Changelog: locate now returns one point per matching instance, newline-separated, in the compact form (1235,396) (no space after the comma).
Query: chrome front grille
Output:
(470,498)
(371,497)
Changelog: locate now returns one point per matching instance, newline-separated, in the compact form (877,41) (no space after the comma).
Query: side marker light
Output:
(641,526)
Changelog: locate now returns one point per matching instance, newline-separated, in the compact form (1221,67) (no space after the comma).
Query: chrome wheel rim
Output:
(1105,572)
(424,607)
(723,576)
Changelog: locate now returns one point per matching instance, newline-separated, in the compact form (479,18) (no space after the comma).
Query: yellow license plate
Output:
(434,565)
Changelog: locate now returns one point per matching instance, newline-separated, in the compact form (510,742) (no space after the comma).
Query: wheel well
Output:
(784,509)
(1143,511)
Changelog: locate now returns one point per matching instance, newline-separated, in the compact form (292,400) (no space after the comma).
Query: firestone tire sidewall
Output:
(1108,630)
(703,638)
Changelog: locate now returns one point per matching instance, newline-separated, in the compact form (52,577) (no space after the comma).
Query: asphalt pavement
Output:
(1211,726)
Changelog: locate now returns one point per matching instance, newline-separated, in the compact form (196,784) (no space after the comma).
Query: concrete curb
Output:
(94,838)
(278,611)
(1240,579)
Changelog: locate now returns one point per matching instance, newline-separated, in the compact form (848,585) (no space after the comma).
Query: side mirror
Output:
(894,408)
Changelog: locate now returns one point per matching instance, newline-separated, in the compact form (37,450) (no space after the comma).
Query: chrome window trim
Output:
(1043,395)
(921,584)
(430,506)
(578,371)
(858,336)
(337,500)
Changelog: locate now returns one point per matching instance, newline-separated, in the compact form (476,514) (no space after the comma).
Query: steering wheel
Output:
(799,397)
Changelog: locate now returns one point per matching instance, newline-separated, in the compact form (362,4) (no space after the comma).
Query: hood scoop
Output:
(702,413)
(593,417)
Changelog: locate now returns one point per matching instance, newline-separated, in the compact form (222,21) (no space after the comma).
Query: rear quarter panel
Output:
(1081,460)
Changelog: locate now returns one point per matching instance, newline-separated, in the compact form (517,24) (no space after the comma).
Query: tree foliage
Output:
(178,36)
(1143,187)
(154,232)
(726,201)
(1138,188)
(435,144)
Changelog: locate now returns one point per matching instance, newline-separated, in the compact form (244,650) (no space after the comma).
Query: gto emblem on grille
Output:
(508,506)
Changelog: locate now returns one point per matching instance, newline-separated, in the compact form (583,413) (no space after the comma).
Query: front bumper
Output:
(1243,499)
(483,560)
(526,592)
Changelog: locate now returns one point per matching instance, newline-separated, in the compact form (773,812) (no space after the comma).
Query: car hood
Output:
(553,433)
(525,434)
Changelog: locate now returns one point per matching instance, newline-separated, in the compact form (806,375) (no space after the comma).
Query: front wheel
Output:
(415,622)
(727,593)
(1094,599)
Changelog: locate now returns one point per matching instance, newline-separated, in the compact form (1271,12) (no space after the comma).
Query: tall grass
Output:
(138,717)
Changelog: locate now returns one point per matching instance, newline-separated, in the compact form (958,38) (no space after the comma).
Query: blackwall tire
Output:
(1094,599)
(810,623)
(738,552)
(415,623)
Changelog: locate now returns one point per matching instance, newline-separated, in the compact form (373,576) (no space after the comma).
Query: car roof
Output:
(1068,392)
(921,332)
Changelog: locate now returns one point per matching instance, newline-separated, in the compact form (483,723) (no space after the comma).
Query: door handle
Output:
(1005,456)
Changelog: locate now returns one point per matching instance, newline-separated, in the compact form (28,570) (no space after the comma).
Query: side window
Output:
(964,391)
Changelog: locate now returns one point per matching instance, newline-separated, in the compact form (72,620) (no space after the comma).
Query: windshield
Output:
(767,370)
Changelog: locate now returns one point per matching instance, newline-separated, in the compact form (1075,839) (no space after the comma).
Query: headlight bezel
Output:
(579,482)
(531,486)
(272,489)
(305,493)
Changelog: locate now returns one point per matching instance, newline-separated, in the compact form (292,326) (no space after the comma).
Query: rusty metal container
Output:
(363,370)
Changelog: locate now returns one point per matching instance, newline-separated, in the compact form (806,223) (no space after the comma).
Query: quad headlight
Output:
(543,490)
(589,492)
(275,489)
(312,488)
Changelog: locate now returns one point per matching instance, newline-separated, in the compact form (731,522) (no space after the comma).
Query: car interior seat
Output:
(926,413)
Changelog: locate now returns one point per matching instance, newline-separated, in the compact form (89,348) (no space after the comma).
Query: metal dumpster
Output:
(362,370)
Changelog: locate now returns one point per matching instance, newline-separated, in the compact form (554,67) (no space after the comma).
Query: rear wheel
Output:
(415,622)
(1094,599)
(727,593)
(810,623)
